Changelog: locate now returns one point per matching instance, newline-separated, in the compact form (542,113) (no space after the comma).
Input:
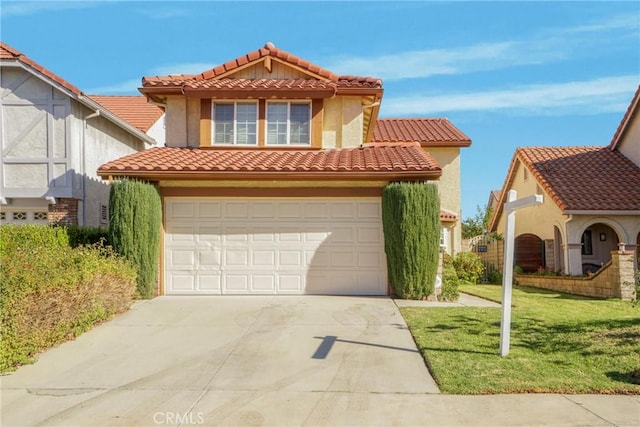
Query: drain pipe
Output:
(84,164)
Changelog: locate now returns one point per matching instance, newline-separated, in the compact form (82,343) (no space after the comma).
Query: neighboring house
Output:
(494,198)
(268,181)
(53,138)
(591,201)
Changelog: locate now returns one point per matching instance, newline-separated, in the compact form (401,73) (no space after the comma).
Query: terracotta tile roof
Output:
(9,53)
(426,131)
(368,162)
(208,78)
(631,110)
(133,109)
(579,178)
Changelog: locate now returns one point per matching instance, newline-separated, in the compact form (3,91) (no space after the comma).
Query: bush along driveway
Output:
(559,344)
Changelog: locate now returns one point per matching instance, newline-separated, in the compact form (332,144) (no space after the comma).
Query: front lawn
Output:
(559,344)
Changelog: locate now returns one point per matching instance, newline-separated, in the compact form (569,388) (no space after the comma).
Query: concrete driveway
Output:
(252,361)
(216,358)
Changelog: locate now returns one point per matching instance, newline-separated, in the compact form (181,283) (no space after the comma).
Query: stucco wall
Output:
(630,144)
(103,141)
(157,131)
(539,219)
(449,187)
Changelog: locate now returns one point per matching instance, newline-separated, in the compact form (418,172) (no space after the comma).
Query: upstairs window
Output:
(288,123)
(235,123)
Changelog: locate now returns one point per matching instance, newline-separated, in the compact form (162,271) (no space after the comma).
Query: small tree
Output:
(135,212)
(478,224)
(411,221)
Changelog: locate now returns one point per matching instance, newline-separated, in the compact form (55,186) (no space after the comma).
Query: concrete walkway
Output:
(249,361)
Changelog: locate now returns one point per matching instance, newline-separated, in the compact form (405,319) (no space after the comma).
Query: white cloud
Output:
(601,95)
(548,45)
(159,12)
(24,8)
(132,85)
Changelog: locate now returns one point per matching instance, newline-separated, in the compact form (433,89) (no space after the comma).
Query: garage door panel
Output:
(263,258)
(209,283)
(293,246)
(290,283)
(263,283)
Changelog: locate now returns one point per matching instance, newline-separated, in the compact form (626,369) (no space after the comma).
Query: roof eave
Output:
(88,102)
(259,93)
(274,176)
(601,212)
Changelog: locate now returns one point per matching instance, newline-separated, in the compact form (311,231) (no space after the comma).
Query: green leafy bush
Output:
(450,284)
(135,212)
(468,266)
(411,221)
(14,237)
(80,235)
(50,292)
(494,277)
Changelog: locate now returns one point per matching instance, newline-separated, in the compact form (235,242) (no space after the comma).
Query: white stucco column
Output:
(573,258)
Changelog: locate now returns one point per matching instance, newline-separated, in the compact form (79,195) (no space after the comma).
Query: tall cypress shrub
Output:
(135,218)
(411,221)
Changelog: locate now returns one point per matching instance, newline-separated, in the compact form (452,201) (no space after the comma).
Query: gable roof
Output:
(430,132)
(135,109)
(11,55)
(182,83)
(578,179)
(632,110)
(375,162)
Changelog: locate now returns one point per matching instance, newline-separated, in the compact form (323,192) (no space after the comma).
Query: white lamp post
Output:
(510,208)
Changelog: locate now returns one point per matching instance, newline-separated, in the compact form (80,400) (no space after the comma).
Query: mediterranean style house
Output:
(54,137)
(591,201)
(272,174)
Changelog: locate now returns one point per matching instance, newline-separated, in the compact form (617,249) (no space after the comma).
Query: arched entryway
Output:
(598,241)
(558,253)
(529,252)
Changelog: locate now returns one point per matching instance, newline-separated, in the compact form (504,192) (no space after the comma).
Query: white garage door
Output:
(274,246)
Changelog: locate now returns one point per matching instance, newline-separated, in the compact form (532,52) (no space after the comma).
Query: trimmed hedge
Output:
(411,222)
(135,212)
(50,292)
(79,235)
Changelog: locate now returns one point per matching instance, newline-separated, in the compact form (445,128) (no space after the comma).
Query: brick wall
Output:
(63,212)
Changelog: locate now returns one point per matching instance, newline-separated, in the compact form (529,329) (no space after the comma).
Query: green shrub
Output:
(135,212)
(13,237)
(411,221)
(51,292)
(494,277)
(450,284)
(80,235)
(468,266)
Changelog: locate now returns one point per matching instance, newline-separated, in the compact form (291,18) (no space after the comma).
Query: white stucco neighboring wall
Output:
(50,149)
(157,131)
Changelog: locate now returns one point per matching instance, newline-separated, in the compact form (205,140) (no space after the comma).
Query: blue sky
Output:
(507,74)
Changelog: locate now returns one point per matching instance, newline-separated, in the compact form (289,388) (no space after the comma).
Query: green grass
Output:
(559,344)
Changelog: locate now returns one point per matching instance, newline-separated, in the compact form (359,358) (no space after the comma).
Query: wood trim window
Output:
(288,123)
(234,123)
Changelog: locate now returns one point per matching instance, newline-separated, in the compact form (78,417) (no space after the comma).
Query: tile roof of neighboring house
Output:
(579,178)
(133,109)
(7,52)
(626,119)
(426,131)
(269,50)
(368,163)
